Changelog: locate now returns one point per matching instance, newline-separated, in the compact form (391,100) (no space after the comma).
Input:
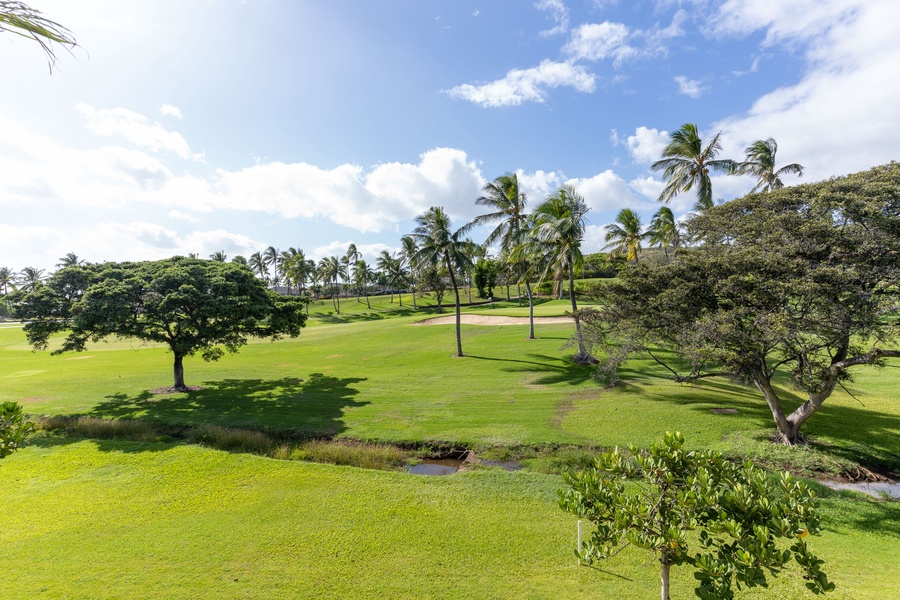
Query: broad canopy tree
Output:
(192,306)
(802,280)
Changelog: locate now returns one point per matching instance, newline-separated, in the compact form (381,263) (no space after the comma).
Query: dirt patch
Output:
(172,390)
(563,408)
(490,320)
(78,357)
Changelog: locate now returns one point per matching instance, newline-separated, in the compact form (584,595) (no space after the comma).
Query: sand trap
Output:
(490,320)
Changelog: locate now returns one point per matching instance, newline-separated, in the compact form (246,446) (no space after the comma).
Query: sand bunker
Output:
(491,320)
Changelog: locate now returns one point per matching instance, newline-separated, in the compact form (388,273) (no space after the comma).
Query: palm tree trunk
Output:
(530,310)
(582,357)
(459,352)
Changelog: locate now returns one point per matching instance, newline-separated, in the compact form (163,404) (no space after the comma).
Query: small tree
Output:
(14,429)
(188,304)
(742,515)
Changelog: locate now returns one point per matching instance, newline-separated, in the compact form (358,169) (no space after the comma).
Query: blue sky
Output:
(204,125)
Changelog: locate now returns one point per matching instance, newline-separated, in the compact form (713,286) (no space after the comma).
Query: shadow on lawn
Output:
(553,369)
(331,318)
(311,407)
(856,434)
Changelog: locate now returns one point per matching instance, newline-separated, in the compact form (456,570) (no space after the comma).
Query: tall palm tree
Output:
(20,19)
(686,164)
(333,271)
(69,260)
(363,275)
(30,278)
(408,249)
(271,257)
(439,244)
(507,209)
(560,223)
(218,255)
(383,264)
(664,230)
(258,265)
(352,256)
(625,236)
(761,164)
(7,280)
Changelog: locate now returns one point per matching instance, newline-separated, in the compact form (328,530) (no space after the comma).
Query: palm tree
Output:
(560,224)
(20,19)
(239,260)
(761,164)
(258,265)
(30,278)
(352,256)
(664,230)
(270,256)
(69,260)
(218,255)
(438,245)
(383,264)
(363,275)
(507,205)
(332,270)
(7,280)
(686,164)
(408,249)
(624,236)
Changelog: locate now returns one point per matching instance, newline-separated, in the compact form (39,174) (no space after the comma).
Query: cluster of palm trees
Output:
(686,165)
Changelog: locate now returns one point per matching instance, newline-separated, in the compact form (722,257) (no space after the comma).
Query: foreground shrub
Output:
(741,513)
(14,429)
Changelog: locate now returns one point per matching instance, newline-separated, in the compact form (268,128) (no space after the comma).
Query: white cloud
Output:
(560,14)
(689,87)
(599,41)
(841,116)
(170,111)
(605,191)
(646,145)
(137,129)
(648,187)
(538,185)
(527,85)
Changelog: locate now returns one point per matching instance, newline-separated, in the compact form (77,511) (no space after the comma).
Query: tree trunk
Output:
(582,358)
(459,351)
(789,426)
(664,575)
(530,311)
(179,373)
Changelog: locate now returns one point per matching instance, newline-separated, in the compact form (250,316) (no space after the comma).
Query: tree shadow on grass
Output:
(551,369)
(311,407)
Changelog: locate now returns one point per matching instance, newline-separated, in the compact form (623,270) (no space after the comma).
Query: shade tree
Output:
(192,306)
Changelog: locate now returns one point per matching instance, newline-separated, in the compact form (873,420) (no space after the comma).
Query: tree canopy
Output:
(188,304)
(803,279)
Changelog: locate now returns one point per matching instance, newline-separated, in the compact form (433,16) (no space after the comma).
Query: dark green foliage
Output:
(602,264)
(14,429)
(486,271)
(801,279)
(745,518)
(190,305)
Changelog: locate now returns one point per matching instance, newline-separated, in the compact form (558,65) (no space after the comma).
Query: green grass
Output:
(162,519)
(111,519)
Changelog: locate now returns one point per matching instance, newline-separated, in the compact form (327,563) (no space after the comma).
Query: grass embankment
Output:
(157,519)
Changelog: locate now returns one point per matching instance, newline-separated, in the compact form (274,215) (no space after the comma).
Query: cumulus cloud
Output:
(170,111)
(689,87)
(598,41)
(830,121)
(527,85)
(137,129)
(558,12)
(369,252)
(646,145)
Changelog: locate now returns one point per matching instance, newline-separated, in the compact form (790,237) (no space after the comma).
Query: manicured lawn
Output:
(125,520)
(122,519)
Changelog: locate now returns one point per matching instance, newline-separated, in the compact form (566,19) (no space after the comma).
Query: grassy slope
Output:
(164,521)
(120,520)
